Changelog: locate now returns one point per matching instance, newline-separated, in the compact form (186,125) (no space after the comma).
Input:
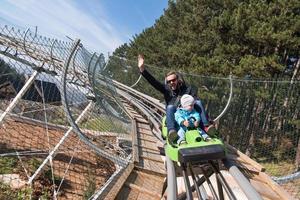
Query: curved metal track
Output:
(144,178)
(239,176)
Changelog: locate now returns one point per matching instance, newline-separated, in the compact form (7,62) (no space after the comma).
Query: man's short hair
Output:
(171,73)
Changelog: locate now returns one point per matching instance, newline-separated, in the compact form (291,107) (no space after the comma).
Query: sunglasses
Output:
(172,80)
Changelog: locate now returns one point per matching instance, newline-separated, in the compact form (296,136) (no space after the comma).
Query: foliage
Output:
(90,185)
(8,194)
(218,37)
(42,187)
(102,124)
(250,39)
(7,164)
(279,169)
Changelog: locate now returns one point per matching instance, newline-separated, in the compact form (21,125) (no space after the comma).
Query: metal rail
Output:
(152,109)
(247,187)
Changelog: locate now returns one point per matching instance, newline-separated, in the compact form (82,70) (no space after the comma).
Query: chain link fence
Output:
(42,154)
(262,120)
(64,131)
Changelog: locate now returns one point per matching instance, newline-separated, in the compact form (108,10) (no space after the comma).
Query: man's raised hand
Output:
(141,62)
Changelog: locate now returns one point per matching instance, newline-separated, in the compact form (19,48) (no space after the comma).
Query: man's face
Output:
(172,81)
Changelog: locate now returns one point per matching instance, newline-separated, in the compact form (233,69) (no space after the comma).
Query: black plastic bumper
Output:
(206,153)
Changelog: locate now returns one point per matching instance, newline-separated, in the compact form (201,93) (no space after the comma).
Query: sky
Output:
(102,25)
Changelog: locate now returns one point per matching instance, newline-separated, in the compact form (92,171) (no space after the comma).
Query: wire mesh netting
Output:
(41,154)
(64,130)
(262,120)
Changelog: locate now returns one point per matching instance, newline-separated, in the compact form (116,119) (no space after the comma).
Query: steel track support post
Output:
(203,193)
(19,95)
(222,181)
(220,188)
(219,183)
(200,182)
(52,153)
(210,185)
(186,181)
(171,179)
(195,183)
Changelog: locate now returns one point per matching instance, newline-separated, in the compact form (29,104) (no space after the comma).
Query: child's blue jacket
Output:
(182,115)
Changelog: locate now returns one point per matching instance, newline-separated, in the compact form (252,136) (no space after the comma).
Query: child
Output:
(187,117)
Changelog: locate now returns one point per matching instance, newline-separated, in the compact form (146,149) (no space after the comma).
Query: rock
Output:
(13,180)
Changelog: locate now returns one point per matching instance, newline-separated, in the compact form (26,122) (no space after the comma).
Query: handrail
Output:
(120,161)
(147,113)
(287,178)
(228,101)
(146,97)
(136,82)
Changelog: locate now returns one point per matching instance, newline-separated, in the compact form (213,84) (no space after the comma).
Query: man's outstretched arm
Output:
(155,83)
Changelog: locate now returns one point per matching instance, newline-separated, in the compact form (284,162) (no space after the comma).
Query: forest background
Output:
(256,41)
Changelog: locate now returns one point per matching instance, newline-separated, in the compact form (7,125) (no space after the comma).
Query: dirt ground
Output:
(87,171)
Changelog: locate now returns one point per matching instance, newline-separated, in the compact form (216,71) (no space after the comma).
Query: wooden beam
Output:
(245,158)
(135,142)
(142,190)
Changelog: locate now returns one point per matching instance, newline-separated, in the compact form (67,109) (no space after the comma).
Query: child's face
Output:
(188,108)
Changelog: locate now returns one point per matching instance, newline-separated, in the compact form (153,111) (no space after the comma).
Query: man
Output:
(173,89)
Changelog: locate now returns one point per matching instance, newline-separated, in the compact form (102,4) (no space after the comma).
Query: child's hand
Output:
(186,123)
(196,124)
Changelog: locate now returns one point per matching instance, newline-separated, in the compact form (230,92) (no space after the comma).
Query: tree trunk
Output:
(254,126)
(297,160)
(295,71)
(250,147)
